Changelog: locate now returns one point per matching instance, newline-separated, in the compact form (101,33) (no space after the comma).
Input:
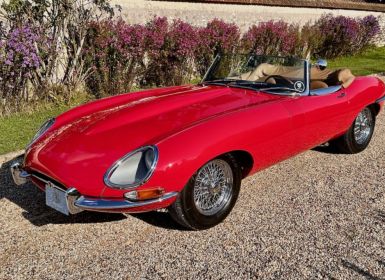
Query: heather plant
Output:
(339,35)
(271,38)
(218,37)
(369,31)
(344,35)
(170,49)
(310,40)
(62,26)
(19,60)
(114,53)
(48,49)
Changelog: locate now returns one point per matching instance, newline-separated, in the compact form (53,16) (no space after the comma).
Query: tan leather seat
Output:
(319,78)
(343,77)
(346,77)
(264,70)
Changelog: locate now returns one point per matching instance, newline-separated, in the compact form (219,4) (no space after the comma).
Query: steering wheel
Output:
(289,82)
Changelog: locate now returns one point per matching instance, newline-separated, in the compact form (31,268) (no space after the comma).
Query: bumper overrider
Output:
(76,202)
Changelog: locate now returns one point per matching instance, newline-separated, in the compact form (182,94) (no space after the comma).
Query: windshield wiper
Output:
(234,82)
(282,88)
(219,81)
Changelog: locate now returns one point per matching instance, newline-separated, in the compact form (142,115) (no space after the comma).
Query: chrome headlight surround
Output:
(120,164)
(43,129)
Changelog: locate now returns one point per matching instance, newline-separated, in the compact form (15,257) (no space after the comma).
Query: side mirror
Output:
(321,64)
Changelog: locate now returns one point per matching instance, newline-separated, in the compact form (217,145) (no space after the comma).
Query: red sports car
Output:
(187,148)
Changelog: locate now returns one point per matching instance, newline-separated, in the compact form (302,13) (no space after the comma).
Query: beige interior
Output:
(319,78)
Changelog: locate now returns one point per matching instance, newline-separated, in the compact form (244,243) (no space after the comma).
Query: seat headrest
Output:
(345,77)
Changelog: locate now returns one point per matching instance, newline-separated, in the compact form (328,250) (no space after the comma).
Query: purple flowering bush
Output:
(217,37)
(19,60)
(114,53)
(342,35)
(170,48)
(272,38)
(111,56)
(162,53)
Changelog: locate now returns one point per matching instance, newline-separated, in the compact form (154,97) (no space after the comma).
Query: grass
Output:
(369,62)
(18,130)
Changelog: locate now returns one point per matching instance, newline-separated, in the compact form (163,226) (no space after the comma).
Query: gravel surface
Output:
(318,215)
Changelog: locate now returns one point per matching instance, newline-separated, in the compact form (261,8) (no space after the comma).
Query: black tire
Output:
(185,211)
(349,143)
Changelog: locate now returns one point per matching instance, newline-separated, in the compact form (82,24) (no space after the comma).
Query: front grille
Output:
(44,179)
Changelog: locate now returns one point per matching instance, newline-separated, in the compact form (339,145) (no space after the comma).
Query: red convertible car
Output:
(187,148)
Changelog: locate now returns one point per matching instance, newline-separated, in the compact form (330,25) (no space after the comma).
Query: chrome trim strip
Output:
(382,99)
(42,130)
(105,205)
(40,178)
(116,164)
(19,176)
(324,91)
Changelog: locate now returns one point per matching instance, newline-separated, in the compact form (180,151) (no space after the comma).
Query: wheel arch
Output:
(244,159)
(375,107)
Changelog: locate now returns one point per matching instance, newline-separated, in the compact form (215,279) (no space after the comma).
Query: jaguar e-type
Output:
(187,148)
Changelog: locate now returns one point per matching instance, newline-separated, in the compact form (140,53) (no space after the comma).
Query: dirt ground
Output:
(318,215)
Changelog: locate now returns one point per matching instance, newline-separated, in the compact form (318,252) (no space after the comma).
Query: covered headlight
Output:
(43,129)
(133,169)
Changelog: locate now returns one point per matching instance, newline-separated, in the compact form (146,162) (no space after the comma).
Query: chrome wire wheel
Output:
(213,187)
(363,126)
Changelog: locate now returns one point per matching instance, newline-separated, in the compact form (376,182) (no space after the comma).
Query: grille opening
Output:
(44,179)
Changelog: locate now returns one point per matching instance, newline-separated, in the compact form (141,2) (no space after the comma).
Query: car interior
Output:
(322,80)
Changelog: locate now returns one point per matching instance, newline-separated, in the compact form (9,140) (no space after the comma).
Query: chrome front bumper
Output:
(19,176)
(77,202)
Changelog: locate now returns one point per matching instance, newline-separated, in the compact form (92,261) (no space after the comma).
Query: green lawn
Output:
(369,62)
(16,131)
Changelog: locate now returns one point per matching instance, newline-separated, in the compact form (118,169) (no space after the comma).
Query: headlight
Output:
(132,170)
(41,131)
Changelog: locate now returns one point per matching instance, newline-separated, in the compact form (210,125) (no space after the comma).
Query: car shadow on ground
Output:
(32,200)
(327,149)
(159,219)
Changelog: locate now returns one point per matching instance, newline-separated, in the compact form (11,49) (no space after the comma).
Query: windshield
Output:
(279,75)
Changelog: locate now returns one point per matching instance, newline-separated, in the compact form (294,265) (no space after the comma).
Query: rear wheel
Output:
(358,137)
(209,195)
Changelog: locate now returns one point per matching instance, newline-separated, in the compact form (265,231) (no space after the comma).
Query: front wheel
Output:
(358,137)
(209,196)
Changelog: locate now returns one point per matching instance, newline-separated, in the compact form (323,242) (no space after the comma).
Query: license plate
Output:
(56,199)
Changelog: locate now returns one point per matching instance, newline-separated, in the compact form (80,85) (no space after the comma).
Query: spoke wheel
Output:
(210,194)
(358,137)
(363,126)
(213,187)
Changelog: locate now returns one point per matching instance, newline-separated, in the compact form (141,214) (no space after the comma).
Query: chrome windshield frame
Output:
(306,63)
(307,77)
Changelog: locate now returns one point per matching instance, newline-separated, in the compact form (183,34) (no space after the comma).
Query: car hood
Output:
(86,141)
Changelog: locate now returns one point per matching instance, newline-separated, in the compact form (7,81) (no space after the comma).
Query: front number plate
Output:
(56,199)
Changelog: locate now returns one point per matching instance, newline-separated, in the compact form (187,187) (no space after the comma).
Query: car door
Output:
(319,118)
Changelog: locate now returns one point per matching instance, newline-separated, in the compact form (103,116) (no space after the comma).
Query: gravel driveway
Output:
(318,215)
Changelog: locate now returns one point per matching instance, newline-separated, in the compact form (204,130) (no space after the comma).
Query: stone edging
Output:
(322,4)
